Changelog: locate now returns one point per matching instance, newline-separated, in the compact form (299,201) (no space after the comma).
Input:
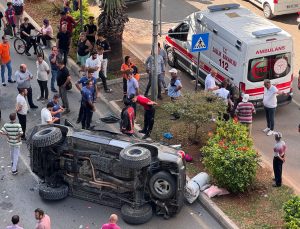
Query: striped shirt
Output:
(13,132)
(244,112)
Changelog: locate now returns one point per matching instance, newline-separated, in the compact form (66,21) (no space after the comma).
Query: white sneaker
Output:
(266,130)
(271,132)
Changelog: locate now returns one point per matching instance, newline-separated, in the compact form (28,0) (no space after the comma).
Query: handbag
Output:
(69,86)
(8,30)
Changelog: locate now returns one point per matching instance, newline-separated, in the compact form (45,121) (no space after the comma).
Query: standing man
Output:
(67,19)
(43,71)
(132,87)
(5,60)
(160,73)
(18,7)
(244,112)
(52,59)
(25,34)
(149,114)
(279,159)
(210,81)
(112,223)
(57,108)
(46,114)
(15,219)
(23,77)
(270,104)
(63,79)
(63,42)
(163,54)
(88,106)
(93,63)
(22,109)
(102,42)
(91,30)
(101,74)
(174,89)
(10,17)
(43,219)
(13,131)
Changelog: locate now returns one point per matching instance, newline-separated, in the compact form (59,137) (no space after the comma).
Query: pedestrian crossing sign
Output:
(200,42)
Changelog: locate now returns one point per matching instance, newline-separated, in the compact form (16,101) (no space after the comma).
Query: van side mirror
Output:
(170,31)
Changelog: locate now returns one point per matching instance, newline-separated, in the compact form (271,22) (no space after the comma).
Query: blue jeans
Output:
(53,78)
(270,116)
(8,65)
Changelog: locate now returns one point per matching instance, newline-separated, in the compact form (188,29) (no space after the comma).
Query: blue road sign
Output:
(199,42)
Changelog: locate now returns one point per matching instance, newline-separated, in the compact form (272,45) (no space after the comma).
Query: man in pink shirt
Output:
(43,219)
(112,223)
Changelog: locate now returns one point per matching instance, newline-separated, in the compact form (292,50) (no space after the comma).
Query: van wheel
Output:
(47,137)
(267,11)
(137,215)
(171,57)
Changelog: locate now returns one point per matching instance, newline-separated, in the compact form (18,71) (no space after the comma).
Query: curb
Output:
(216,212)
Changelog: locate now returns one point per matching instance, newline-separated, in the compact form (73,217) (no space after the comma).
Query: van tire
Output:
(268,11)
(171,57)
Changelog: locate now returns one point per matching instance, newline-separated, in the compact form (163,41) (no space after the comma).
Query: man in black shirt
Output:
(90,30)
(63,42)
(25,34)
(63,79)
(102,42)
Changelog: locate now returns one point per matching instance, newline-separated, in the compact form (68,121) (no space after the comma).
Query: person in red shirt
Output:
(149,113)
(112,223)
(69,20)
(127,118)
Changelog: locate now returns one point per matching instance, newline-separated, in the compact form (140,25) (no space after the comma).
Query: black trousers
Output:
(43,88)
(125,86)
(44,39)
(103,78)
(64,55)
(277,167)
(29,96)
(86,118)
(159,82)
(29,43)
(22,121)
(149,120)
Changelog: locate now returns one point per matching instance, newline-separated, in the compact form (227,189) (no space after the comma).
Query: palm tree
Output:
(111,23)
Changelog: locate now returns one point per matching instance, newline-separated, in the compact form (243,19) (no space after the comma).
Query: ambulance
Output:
(243,47)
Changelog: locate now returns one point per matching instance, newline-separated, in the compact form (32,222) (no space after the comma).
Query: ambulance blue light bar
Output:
(216,8)
(266,32)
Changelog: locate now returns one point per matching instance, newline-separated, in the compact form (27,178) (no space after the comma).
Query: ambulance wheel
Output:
(171,57)
(268,11)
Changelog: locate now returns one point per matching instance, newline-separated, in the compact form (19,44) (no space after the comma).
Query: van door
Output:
(181,50)
(286,7)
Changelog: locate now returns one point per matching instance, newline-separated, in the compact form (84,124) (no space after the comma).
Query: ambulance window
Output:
(269,67)
(184,29)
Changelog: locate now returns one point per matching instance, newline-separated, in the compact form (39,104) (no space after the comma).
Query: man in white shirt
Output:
(46,116)
(210,82)
(101,74)
(93,63)
(270,104)
(22,109)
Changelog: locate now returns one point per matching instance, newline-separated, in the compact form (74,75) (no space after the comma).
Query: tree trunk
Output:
(116,54)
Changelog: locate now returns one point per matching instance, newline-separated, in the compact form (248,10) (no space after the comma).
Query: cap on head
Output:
(173,70)
(245,98)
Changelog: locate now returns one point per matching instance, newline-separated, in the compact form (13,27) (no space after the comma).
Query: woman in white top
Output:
(46,33)
(43,71)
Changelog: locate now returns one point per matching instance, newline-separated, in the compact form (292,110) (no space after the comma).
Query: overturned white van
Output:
(243,47)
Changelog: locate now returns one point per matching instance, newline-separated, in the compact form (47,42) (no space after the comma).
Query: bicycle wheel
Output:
(39,50)
(19,45)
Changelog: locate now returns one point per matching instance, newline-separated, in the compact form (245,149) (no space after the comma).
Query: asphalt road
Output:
(286,117)
(19,194)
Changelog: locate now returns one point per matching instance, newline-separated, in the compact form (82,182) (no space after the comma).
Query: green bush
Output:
(292,213)
(76,15)
(230,156)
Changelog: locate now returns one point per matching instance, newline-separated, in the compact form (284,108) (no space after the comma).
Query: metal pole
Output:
(160,29)
(198,72)
(81,17)
(154,80)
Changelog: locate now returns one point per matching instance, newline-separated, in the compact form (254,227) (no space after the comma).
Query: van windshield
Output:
(269,67)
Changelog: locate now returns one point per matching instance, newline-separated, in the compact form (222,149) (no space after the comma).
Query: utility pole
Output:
(154,80)
(81,16)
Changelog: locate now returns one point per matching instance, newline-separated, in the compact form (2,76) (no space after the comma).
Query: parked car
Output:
(108,168)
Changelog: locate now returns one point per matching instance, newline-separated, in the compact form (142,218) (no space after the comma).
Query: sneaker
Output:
(108,90)
(4,84)
(54,90)
(78,121)
(14,172)
(27,54)
(40,98)
(34,107)
(276,186)
(266,130)
(146,136)
(11,81)
(142,131)
(270,132)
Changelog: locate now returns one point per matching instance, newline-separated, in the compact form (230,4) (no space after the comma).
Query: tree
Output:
(111,24)
(197,109)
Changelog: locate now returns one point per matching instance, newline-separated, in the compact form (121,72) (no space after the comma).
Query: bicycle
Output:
(20,45)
